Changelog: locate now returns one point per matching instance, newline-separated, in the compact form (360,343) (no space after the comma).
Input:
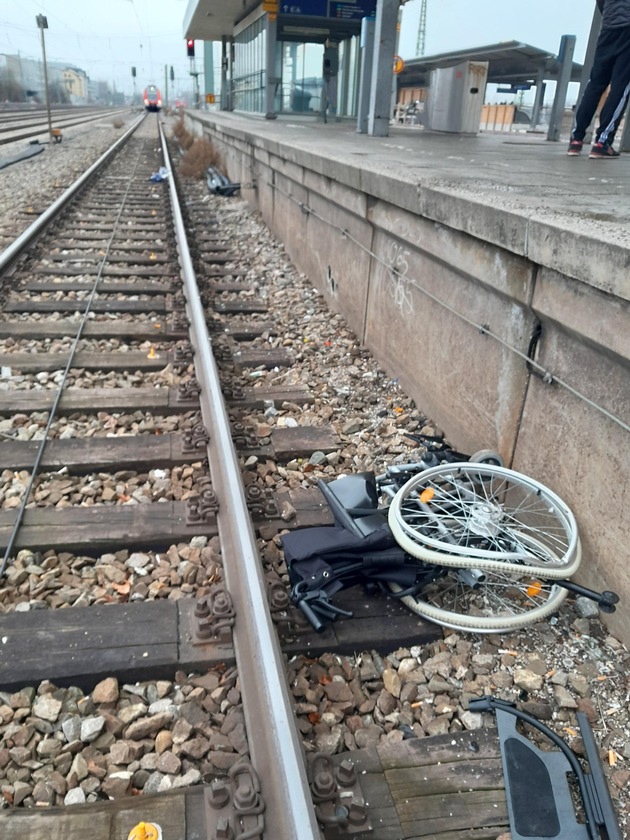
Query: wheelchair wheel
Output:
(485,602)
(485,517)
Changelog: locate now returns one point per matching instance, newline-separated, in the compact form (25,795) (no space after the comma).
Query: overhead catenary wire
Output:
(546,375)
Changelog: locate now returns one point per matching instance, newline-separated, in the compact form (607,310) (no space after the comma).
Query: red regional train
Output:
(152,98)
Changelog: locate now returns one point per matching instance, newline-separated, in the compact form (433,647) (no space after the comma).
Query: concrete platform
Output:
(525,179)
(457,259)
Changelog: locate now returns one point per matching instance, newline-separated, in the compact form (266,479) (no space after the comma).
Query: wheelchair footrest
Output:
(538,795)
(541,803)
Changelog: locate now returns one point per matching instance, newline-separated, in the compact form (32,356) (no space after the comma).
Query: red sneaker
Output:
(599,150)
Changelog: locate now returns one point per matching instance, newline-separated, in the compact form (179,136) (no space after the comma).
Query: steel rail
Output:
(27,237)
(274,742)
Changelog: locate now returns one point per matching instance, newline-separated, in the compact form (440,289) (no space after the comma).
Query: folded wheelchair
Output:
(465,543)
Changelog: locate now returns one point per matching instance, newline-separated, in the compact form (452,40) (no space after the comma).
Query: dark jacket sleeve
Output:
(600,3)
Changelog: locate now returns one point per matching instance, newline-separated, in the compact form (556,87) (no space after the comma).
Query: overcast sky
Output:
(107,37)
(103,37)
(458,24)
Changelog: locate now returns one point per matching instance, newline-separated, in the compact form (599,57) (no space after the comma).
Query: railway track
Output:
(75,271)
(95,327)
(147,547)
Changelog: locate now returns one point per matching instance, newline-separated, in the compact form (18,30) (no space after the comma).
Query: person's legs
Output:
(603,64)
(617,99)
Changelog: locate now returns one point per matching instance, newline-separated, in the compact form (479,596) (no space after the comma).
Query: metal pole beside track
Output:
(274,742)
(42,24)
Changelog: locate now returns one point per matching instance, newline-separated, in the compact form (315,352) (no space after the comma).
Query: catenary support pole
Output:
(365,83)
(383,67)
(208,66)
(224,75)
(538,100)
(271,79)
(565,59)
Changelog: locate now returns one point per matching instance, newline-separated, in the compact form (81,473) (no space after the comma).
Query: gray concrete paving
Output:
(523,170)
(515,190)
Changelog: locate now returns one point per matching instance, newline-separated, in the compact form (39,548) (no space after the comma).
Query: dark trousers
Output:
(611,66)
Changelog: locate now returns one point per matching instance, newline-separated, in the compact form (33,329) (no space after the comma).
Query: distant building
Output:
(75,82)
(99,93)
(22,79)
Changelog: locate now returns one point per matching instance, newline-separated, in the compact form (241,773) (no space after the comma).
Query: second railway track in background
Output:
(139,467)
(22,124)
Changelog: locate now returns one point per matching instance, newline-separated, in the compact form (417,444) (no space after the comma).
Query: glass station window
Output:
(248,84)
(301,77)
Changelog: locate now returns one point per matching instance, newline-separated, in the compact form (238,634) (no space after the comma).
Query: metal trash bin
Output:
(455,98)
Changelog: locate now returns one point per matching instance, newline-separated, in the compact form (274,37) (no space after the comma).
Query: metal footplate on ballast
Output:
(540,804)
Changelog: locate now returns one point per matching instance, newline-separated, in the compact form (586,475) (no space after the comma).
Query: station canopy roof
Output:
(210,20)
(509,63)
(311,21)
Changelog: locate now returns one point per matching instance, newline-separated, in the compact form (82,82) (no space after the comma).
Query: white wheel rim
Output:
(491,534)
(519,603)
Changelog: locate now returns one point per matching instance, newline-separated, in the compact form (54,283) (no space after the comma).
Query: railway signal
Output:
(190,47)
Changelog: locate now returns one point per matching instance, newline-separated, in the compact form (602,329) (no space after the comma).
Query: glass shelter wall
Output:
(248,79)
(349,76)
(299,65)
(302,74)
(301,85)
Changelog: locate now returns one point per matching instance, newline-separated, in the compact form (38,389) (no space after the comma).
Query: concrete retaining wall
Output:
(383,252)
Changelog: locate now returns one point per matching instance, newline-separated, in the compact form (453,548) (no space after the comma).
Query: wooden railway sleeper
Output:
(214,617)
(340,807)
(234,807)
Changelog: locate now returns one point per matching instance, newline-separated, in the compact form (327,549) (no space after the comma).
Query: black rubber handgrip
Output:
(311,615)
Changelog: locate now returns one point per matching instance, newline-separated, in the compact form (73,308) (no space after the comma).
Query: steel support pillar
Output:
(365,83)
(538,100)
(230,86)
(208,66)
(225,98)
(565,59)
(271,77)
(383,67)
